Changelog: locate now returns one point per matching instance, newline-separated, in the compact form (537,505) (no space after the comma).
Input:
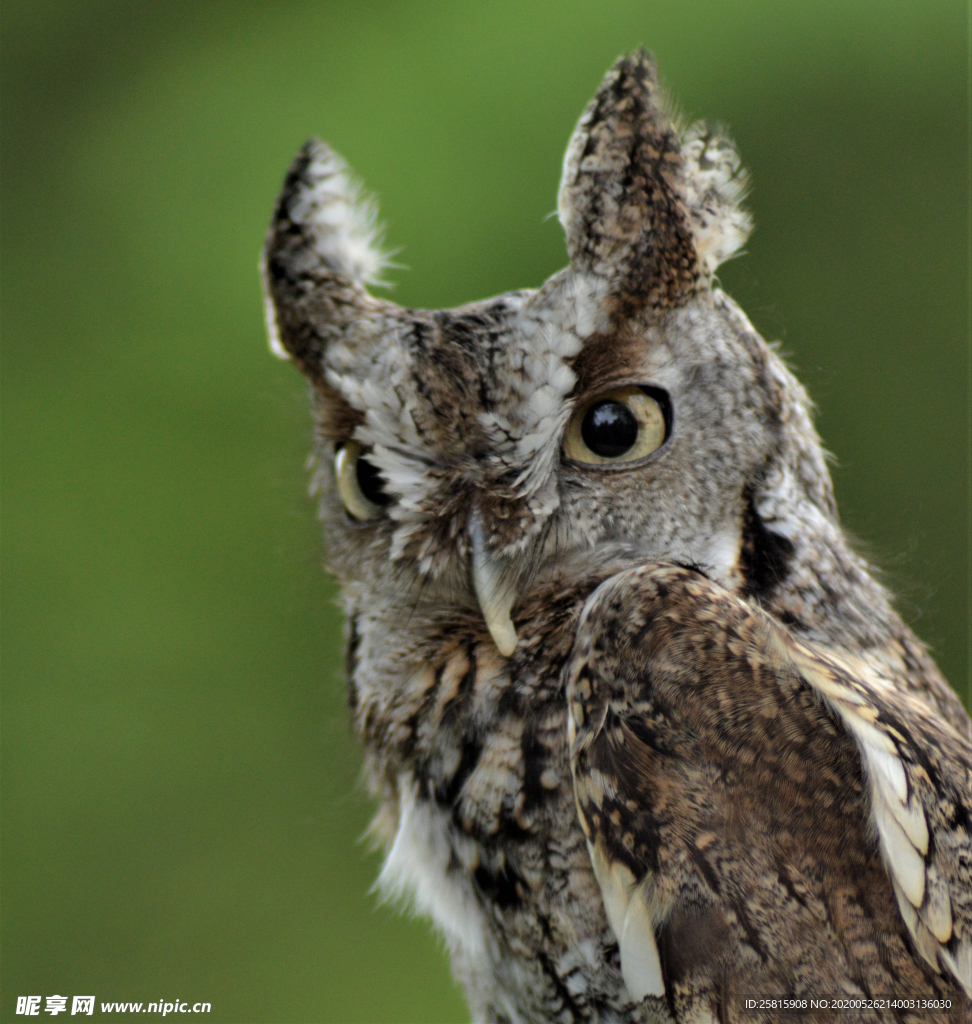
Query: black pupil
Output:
(609,429)
(371,483)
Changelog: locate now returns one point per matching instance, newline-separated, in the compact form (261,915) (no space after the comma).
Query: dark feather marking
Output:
(752,935)
(420,713)
(510,830)
(917,750)
(447,792)
(420,334)
(630,764)
(646,735)
(765,556)
(534,755)
(783,873)
(351,661)
(704,868)
(562,991)
(503,887)
(693,567)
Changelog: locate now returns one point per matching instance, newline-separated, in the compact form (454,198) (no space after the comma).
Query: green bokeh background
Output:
(181,816)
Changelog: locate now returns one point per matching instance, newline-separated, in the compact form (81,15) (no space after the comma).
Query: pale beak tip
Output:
(504,636)
(495,591)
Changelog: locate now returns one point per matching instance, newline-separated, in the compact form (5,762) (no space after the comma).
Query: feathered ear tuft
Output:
(649,215)
(340,220)
(322,248)
(621,197)
(716,183)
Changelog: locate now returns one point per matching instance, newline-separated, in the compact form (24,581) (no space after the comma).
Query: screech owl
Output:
(648,737)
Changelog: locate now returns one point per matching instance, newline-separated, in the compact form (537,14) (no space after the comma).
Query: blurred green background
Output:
(180,804)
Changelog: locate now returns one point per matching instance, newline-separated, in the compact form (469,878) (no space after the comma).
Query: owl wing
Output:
(763,816)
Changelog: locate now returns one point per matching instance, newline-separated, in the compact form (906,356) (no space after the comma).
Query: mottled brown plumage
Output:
(648,737)
(709,765)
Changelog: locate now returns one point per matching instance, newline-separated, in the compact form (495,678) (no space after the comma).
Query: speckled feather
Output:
(761,791)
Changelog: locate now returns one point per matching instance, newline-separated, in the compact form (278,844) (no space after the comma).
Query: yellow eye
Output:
(619,426)
(359,483)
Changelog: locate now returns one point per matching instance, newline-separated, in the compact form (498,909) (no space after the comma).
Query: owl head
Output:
(624,411)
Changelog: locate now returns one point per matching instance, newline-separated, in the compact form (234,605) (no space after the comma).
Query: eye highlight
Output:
(619,426)
(359,483)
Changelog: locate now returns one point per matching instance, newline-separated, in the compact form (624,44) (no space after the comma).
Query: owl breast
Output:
(469,751)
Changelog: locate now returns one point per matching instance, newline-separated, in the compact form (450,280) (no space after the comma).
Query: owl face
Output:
(624,411)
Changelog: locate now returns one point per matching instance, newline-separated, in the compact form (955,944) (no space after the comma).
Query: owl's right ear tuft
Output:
(322,248)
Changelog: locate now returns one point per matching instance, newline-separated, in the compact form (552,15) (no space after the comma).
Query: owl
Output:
(650,743)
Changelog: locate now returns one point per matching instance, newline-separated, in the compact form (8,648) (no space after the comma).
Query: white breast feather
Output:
(417,869)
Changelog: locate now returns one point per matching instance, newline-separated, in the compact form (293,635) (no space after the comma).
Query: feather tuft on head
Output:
(716,184)
(340,218)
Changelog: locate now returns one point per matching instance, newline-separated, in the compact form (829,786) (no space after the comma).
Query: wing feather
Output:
(920,775)
(737,783)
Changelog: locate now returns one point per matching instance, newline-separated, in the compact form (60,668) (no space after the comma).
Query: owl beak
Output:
(495,587)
